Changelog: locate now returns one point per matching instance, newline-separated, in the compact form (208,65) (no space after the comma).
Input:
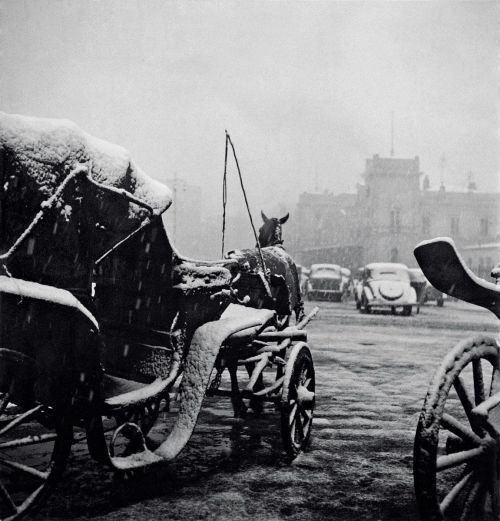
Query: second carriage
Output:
(457,443)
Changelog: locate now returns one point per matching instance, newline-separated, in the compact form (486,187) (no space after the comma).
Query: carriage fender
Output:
(67,355)
(34,290)
(205,345)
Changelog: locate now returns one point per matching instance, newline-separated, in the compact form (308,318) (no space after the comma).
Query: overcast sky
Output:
(306,89)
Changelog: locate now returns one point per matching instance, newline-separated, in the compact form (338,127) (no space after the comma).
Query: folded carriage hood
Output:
(38,145)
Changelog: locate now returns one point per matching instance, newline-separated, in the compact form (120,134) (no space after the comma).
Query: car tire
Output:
(406,311)
(365,308)
(440,302)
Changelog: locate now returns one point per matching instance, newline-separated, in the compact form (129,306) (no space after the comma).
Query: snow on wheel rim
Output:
(456,454)
(34,446)
(298,400)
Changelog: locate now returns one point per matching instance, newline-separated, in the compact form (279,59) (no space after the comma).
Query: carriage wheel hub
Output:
(304,395)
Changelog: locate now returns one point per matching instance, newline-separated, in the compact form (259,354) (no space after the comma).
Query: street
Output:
(372,373)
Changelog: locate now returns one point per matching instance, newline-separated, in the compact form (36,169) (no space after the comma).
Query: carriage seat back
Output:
(136,305)
(446,271)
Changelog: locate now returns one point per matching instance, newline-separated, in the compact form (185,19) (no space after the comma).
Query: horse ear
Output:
(284,219)
(264,218)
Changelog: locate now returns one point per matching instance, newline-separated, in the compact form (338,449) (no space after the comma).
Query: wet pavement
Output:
(372,373)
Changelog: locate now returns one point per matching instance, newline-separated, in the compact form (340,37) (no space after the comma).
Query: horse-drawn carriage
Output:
(101,319)
(457,444)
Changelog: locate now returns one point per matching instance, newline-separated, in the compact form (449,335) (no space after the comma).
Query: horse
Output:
(270,231)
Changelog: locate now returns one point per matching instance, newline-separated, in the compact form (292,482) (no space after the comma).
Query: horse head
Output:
(270,231)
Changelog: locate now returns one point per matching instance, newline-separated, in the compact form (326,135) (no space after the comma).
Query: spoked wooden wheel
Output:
(457,450)
(297,400)
(34,446)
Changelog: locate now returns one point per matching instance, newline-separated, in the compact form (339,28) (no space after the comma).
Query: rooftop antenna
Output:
(392,134)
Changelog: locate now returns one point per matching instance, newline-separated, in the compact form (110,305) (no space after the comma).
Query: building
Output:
(183,218)
(393,210)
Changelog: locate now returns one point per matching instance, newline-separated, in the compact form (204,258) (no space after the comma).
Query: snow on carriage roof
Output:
(51,142)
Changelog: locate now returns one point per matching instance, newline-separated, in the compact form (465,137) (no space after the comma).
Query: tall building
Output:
(395,208)
(183,218)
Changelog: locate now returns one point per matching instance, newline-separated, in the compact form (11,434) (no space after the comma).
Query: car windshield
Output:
(389,274)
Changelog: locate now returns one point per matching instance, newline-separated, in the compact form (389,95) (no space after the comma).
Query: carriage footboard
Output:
(200,361)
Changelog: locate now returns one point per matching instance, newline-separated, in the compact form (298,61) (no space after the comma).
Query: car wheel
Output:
(440,302)
(365,308)
(406,311)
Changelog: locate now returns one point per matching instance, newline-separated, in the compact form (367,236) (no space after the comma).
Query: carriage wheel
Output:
(456,462)
(34,446)
(297,400)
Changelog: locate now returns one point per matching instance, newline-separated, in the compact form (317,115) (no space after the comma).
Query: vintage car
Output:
(419,283)
(426,292)
(303,274)
(347,281)
(385,285)
(328,282)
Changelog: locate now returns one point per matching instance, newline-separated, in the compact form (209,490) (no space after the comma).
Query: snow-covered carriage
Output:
(100,316)
(457,444)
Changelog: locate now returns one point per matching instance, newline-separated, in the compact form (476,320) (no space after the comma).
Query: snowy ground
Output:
(372,373)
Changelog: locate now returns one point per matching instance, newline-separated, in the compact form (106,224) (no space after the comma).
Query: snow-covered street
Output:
(372,373)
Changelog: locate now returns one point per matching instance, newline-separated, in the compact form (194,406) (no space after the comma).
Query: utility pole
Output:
(392,134)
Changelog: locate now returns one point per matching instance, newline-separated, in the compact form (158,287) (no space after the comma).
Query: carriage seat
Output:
(264,316)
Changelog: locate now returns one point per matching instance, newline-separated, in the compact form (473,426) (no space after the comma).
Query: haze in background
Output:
(306,89)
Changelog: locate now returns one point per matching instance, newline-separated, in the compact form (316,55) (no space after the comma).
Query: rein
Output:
(224,202)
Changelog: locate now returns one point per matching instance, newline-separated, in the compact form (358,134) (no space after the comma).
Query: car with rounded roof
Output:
(328,282)
(385,285)
(426,292)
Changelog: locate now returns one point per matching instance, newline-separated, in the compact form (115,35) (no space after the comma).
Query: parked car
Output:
(303,274)
(419,283)
(326,281)
(426,292)
(347,281)
(385,285)
(433,294)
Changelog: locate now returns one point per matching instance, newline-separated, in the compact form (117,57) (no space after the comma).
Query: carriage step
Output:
(136,460)
(120,392)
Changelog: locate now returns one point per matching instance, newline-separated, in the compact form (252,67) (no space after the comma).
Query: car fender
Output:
(368,293)
(412,295)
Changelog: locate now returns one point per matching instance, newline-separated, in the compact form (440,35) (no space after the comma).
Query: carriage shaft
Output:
(245,394)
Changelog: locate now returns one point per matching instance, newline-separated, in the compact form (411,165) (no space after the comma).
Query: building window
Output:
(426,225)
(454,226)
(484,227)
(395,223)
